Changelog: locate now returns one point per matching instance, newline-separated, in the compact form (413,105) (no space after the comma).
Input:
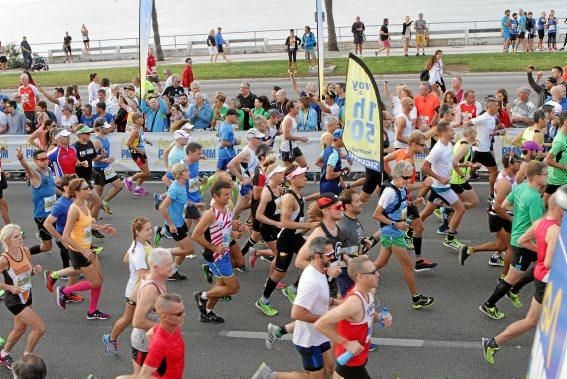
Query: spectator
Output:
(3,122)
(100,109)
(514,31)
(357,30)
(105,85)
(406,34)
(16,121)
(275,90)
(467,109)
(219,110)
(306,117)
(175,90)
(184,104)
(557,99)
(93,87)
(328,108)
(168,75)
(261,108)
(457,87)
(87,116)
(505,29)
(26,53)
(246,99)
(530,29)
(420,27)
(29,97)
(110,107)
(41,107)
(3,58)
(340,88)
(220,43)
(155,111)
(557,73)
(281,102)
(385,38)
(309,42)
(187,76)
(449,97)
(200,113)
(29,366)
(86,40)
(68,120)
(166,352)
(523,109)
(151,67)
(292,43)
(436,69)
(234,104)
(67,48)
(212,45)
(195,88)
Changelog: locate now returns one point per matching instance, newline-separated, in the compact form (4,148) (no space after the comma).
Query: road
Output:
(443,341)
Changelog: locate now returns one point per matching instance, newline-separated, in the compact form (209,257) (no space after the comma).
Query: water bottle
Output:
(383,314)
(344,358)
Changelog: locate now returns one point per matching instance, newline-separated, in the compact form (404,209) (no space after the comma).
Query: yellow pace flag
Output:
(362,133)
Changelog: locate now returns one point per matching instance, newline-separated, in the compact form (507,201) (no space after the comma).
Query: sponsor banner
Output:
(209,140)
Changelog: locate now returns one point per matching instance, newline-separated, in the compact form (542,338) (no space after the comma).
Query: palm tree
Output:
(331,35)
(155,27)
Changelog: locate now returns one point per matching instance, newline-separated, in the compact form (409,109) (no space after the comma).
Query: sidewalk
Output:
(267,57)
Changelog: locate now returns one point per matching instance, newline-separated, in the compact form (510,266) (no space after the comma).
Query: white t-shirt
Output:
(57,109)
(334,112)
(441,159)
(485,125)
(137,261)
(68,123)
(405,132)
(92,90)
(313,295)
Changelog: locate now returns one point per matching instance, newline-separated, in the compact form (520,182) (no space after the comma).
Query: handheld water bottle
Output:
(383,314)
(344,358)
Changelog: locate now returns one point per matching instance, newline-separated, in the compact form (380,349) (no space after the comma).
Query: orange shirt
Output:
(402,155)
(426,107)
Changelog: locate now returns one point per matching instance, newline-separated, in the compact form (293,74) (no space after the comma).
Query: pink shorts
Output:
(386,44)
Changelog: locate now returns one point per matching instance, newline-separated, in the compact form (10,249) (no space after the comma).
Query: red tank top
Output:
(504,118)
(540,271)
(357,331)
(29,100)
(468,111)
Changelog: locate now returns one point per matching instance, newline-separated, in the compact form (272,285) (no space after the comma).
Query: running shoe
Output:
(2,293)
(167,234)
(201,304)
(263,372)
(489,348)
(288,292)
(496,260)
(443,229)
(424,265)
(492,312)
(409,241)
(438,214)
(421,301)
(490,198)
(207,272)
(97,249)
(453,244)
(475,175)
(373,347)
(97,234)
(464,253)
(6,361)
(272,336)
(157,234)
(61,297)
(268,258)
(128,184)
(211,317)
(157,200)
(515,299)
(74,298)
(140,192)
(266,308)
(177,276)
(106,207)
(111,346)
(2,341)
(191,256)
(97,315)
(49,281)
(280,285)
(253,257)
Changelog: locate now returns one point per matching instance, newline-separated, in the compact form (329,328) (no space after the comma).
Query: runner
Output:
(288,147)
(556,159)
(103,171)
(499,219)
(349,325)
(289,240)
(545,232)
(137,144)
(137,259)
(311,303)
(526,203)
(42,188)
(227,140)
(17,269)
(214,233)
(145,317)
(77,235)
(331,169)
(462,165)
(390,212)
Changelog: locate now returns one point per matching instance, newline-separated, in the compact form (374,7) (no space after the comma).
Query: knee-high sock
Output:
(83,285)
(95,295)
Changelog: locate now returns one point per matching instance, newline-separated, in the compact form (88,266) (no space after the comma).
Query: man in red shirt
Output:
(187,77)
(29,95)
(151,67)
(166,355)
(467,109)
(427,106)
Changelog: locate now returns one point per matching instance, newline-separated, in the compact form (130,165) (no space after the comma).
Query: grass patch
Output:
(488,62)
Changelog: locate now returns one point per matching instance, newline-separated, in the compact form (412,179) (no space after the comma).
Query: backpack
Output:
(424,76)
(399,198)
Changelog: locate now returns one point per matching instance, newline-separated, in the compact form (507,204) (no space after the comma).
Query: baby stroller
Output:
(39,63)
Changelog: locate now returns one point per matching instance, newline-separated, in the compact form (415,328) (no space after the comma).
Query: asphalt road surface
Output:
(440,342)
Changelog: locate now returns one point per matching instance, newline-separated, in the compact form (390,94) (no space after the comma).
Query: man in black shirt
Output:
(246,99)
(67,48)
(175,89)
(384,38)
(281,102)
(26,53)
(358,34)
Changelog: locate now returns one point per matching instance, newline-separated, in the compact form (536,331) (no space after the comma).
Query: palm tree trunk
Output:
(332,36)
(155,27)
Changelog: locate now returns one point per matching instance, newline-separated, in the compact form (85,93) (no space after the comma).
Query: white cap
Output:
(254,133)
(180,134)
(106,125)
(63,133)
(187,127)
(276,170)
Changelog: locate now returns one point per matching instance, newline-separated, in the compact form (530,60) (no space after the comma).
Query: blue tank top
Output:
(541,23)
(326,185)
(106,146)
(43,197)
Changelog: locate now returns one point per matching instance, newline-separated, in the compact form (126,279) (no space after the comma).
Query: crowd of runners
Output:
(255,206)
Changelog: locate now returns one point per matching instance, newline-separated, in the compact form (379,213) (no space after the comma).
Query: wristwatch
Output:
(393,223)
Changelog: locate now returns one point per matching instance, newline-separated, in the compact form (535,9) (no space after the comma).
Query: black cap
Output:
(231,112)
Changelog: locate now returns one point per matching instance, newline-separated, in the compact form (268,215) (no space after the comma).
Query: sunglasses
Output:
(85,188)
(325,254)
(178,314)
(370,273)
(406,177)
(42,159)
(338,207)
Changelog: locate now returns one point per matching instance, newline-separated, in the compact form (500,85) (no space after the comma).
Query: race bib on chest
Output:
(49,202)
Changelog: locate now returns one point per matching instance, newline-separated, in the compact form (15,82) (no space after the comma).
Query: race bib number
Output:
(23,281)
(226,237)
(88,235)
(423,120)
(193,185)
(552,28)
(109,172)
(49,203)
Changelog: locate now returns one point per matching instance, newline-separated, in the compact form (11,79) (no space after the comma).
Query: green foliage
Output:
(14,55)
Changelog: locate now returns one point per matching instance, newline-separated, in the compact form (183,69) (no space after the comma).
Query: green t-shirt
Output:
(558,176)
(528,207)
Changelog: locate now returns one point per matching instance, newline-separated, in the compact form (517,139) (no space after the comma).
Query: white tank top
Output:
(405,133)
(252,163)
(287,145)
